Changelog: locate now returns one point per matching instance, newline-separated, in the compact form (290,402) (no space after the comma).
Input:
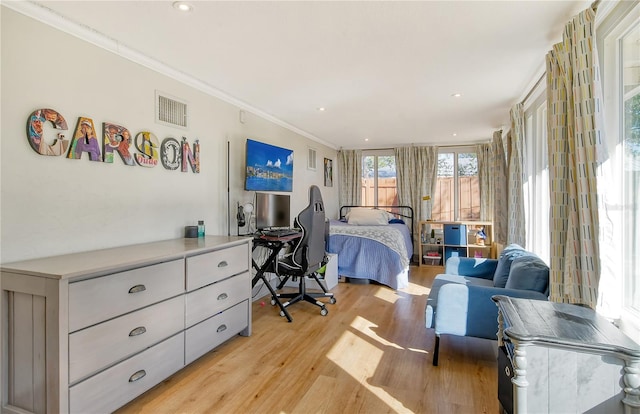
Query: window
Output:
(621,78)
(457,195)
(379,179)
(536,175)
(629,95)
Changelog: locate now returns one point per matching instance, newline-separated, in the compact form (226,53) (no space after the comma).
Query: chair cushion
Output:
(507,256)
(528,273)
(444,279)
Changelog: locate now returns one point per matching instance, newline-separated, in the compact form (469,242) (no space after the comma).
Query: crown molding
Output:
(49,17)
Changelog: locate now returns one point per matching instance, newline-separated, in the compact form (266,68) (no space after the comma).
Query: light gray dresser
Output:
(88,332)
(561,358)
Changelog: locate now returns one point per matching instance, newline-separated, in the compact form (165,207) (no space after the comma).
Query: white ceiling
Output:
(384,71)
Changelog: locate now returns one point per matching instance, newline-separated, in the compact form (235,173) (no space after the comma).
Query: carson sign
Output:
(116,139)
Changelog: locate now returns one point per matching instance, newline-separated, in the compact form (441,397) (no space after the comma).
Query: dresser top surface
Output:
(103,261)
(536,321)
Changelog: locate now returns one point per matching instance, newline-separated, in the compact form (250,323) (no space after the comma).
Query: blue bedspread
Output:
(365,258)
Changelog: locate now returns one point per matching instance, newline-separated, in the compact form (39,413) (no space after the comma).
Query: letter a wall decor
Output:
(85,140)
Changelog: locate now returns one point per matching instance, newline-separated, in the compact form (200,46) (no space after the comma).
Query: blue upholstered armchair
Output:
(460,299)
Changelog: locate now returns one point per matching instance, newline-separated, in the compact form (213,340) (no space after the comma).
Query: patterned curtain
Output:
(575,146)
(406,180)
(486,183)
(417,174)
(498,176)
(350,173)
(516,223)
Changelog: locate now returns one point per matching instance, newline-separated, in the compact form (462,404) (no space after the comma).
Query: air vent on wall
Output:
(171,111)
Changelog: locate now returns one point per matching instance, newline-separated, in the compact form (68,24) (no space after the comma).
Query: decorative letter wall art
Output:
(35,130)
(147,144)
(171,154)
(85,140)
(192,159)
(116,139)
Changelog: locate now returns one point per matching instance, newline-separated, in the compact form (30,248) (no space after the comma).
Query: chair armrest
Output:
(472,267)
(468,310)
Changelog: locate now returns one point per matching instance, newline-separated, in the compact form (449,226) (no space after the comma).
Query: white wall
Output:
(54,205)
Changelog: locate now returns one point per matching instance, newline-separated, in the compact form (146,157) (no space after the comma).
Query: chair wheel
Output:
(324,311)
(273,302)
(282,313)
(332,300)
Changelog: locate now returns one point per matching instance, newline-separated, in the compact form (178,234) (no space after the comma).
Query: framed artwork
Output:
(268,168)
(328,172)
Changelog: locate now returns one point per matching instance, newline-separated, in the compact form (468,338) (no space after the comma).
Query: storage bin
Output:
(455,234)
(431,260)
(454,252)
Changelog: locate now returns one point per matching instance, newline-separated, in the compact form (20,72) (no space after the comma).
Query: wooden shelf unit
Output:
(453,238)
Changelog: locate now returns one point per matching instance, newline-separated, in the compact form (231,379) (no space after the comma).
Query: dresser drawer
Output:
(99,346)
(95,300)
(207,268)
(206,335)
(212,299)
(114,387)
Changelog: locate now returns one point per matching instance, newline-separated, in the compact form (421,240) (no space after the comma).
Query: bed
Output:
(373,243)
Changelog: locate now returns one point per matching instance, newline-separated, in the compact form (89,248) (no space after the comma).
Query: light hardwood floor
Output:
(370,354)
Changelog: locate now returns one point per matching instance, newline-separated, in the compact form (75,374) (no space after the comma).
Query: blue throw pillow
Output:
(507,256)
(396,221)
(528,273)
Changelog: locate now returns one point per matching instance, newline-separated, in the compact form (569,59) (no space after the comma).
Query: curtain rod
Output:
(533,88)
(469,144)
(594,6)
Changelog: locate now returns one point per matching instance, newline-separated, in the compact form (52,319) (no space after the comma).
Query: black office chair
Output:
(308,255)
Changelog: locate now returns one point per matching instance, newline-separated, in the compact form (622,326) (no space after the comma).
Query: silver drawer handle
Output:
(137,288)
(221,328)
(138,331)
(222,296)
(138,375)
(223,264)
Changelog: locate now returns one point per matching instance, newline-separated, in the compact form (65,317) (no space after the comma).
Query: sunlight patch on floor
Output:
(386,294)
(355,355)
(359,358)
(366,327)
(416,289)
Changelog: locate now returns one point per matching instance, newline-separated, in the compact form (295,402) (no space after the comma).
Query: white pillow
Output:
(367,217)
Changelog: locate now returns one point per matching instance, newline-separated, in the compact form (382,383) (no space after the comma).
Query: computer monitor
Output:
(272,210)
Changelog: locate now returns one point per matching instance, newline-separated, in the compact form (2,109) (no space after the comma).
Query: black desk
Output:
(274,245)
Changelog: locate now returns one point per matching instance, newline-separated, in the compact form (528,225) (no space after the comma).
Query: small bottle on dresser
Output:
(200,228)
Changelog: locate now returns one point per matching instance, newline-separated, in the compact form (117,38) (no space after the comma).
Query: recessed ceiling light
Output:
(321,109)
(456,95)
(366,139)
(455,135)
(182,6)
